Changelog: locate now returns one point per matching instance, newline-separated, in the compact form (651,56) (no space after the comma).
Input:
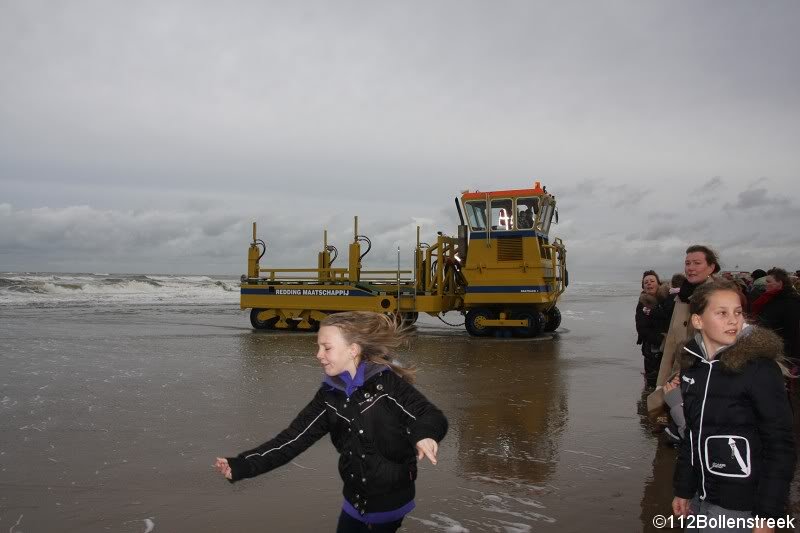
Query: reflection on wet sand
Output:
(507,405)
(511,427)
(657,493)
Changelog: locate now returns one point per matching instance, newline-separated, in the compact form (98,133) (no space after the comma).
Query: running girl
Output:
(378,422)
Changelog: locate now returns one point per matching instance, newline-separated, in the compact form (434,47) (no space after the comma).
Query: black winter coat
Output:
(375,431)
(739,452)
(651,327)
(782,315)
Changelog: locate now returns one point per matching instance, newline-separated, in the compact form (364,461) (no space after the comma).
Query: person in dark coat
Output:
(738,457)
(652,321)
(779,310)
(378,422)
(758,285)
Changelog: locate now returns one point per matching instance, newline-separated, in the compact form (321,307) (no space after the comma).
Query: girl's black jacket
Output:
(375,431)
(739,452)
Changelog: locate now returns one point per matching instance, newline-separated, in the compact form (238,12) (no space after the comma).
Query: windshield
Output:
(476,214)
(502,215)
(527,209)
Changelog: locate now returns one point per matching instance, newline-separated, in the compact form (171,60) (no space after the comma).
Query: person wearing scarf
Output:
(779,310)
(700,264)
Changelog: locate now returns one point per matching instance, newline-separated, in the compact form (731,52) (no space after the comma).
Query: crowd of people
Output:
(769,298)
(721,352)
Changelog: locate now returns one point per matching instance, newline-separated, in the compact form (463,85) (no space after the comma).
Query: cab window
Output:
(502,215)
(476,214)
(546,217)
(527,209)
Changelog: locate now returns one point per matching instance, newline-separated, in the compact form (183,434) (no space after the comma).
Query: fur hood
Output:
(663,292)
(752,343)
(648,300)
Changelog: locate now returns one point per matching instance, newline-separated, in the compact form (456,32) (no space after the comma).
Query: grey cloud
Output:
(678,231)
(626,195)
(660,231)
(710,187)
(749,238)
(594,189)
(757,197)
(768,198)
(175,124)
(662,215)
(119,233)
(195,237)
(578,192)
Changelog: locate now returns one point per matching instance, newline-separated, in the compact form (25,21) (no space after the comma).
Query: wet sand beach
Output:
(112,415)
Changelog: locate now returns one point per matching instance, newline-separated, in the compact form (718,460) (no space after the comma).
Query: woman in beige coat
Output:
(700,264)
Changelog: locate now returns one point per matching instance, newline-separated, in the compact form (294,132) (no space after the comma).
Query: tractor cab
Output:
(511,270)
(508,211)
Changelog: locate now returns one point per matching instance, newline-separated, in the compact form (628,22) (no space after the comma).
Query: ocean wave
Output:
(582,290)
(100,289)
(18,288)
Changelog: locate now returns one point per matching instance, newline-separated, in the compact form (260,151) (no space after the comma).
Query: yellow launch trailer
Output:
(502,271)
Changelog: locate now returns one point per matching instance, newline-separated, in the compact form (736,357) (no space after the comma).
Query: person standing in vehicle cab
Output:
(525,218)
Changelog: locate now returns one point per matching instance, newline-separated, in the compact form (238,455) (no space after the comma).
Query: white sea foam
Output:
(31,288)
(514,527)
(586,290)
(102,289)
(19,520)
(441,522)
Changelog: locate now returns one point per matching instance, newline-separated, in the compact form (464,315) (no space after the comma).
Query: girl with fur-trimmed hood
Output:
(738,456)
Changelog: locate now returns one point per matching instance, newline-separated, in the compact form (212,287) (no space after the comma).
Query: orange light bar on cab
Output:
(478,195)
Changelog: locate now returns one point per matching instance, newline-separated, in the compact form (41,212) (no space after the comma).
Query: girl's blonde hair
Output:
(376,334)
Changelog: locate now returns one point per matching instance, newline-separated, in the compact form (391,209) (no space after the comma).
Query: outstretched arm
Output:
(306,429)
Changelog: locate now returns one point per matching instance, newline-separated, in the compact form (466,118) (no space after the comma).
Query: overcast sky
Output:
(147,136)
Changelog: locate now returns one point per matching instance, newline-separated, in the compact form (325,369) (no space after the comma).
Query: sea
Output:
(117,392)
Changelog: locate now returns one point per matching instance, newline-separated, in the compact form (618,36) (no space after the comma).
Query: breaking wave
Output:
(62,289)
(42,288)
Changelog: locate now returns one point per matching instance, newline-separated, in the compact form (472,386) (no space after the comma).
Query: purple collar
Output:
(351,384)
(364,372)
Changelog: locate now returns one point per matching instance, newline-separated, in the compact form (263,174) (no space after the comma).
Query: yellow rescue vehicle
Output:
(502,271)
